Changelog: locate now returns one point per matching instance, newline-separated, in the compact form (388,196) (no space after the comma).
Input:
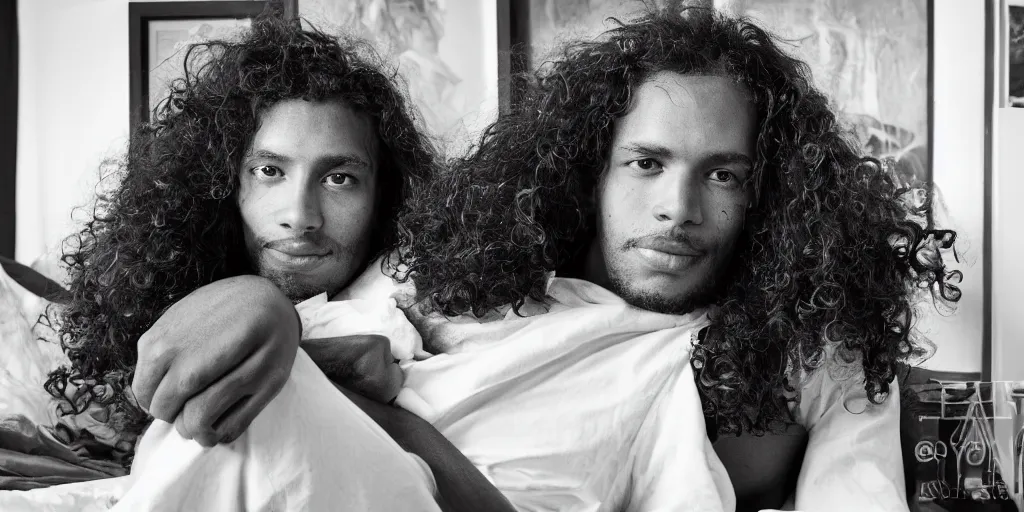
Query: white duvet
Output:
(586,405)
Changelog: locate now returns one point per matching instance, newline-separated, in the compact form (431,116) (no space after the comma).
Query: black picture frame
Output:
(992,17)
(141,14)
(8,126)
(513,48)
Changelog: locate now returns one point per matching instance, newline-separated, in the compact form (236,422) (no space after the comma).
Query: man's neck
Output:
(587,265)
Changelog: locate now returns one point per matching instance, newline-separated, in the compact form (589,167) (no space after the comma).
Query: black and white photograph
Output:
(511,255)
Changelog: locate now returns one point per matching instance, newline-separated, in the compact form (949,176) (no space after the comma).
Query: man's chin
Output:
(653,298)
(298,290)
(662,304)
(300,297)
(300,294)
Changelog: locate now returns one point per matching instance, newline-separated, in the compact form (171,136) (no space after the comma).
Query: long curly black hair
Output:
(832,252)
(173,224)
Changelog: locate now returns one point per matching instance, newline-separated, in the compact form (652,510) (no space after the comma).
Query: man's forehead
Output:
(296,128)
(668,94)
(690,114)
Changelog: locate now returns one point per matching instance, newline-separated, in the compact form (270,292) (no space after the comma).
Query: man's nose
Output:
(301,209)
(679,201)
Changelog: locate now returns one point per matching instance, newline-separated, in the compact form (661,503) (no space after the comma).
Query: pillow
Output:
(26,360)
(30,352)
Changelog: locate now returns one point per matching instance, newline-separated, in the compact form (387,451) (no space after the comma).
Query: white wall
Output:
(475,63)
(73,111)
(958,170)
(1007,246)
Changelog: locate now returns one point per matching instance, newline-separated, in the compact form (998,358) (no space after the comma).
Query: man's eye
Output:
(723,175)
(645,164)
(267,171)
(340,179)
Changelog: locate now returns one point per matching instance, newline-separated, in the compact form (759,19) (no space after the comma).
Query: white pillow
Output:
(28,353)
(25,361)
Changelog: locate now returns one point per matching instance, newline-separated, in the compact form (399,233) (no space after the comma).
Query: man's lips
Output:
(297,255)
(668,255)
(670,247)
(298,248)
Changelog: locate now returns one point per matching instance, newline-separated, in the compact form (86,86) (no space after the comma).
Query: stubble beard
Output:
(703,295)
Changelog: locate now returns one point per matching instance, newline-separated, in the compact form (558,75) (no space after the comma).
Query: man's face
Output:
(672,200)
(307,196)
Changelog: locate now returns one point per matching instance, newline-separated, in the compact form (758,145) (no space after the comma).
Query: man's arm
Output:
(853,459)
(215,359)
(461,487)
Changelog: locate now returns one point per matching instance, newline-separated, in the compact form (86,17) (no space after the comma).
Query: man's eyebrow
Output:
(339,160)
(663,152)
(265,155)
(730,158)
(651,150)
(344,160)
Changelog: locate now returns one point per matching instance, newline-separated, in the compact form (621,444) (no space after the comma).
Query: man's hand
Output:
(361,363)
(216,358)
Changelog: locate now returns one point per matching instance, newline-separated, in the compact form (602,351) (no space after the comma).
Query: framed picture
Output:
(161,32)
(968,454)
(445,50)
(1013,51)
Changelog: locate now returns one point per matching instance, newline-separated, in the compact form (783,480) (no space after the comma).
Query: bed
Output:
(39,446)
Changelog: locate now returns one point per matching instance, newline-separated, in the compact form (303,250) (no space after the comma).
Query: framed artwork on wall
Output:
(161,32)
(968,450)
(446,51)
(1013,53)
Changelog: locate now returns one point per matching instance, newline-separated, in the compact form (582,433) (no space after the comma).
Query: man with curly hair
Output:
(685,161)
(686,164)
(284,155)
